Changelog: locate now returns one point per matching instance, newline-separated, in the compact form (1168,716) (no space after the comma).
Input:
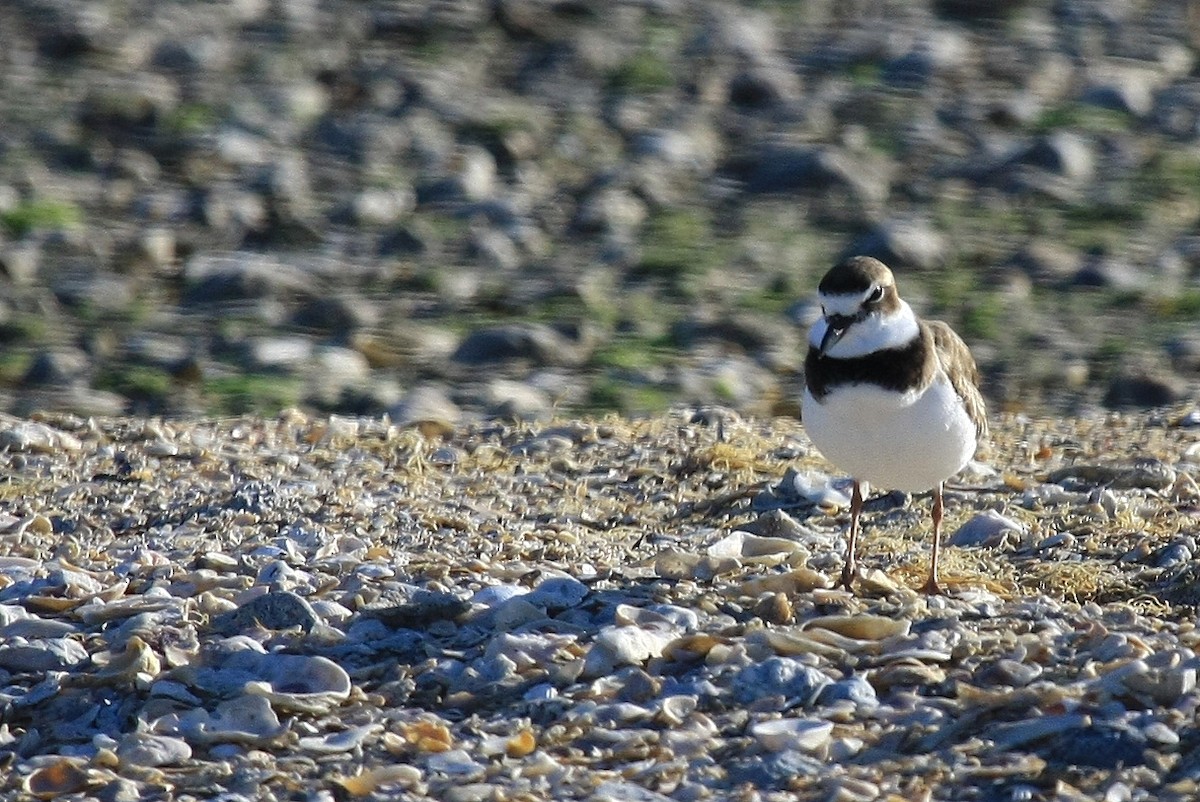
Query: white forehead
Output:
(845,304)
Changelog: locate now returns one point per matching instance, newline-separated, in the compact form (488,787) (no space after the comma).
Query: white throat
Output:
(877,332)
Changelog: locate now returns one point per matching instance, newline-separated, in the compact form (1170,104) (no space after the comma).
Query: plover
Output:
(889,398)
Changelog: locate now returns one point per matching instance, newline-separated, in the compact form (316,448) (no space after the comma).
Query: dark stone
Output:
(426,607)
(533,341)
(1143,389)
(1100,746)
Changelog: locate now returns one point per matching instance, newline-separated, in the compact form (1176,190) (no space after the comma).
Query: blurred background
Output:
(455,208)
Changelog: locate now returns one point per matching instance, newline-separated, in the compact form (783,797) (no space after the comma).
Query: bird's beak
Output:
(835,328)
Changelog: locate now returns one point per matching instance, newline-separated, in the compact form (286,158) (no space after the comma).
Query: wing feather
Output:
(960,367)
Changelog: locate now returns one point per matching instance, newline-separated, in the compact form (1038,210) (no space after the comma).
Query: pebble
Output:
(786,677)
(988,528)
(144,749)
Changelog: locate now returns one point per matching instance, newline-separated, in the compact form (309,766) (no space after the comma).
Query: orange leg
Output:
(931,586)
(850,566)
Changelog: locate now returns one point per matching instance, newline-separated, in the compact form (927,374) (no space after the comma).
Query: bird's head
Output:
(861,311)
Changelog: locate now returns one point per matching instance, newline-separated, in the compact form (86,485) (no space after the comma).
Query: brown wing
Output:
(960,367)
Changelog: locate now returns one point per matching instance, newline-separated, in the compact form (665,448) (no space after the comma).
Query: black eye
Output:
(876,296)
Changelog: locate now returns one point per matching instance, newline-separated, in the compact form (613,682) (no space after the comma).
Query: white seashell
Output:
(143,749)
(745,545)
(624,646)
(852,789)
(155,600)
(368,782)
(988,528)
(344,741)
(540,693)
(455,763)
(309,684)
(243,720)
(674,710)
(842,749)
(495,595)
(660,615)
(816,488)
(61,777)
(804,734)
(1159,732)
(860,627)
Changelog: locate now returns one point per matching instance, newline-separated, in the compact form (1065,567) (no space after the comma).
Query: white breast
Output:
(901,442)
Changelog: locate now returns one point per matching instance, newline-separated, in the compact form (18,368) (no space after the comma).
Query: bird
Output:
(889,398)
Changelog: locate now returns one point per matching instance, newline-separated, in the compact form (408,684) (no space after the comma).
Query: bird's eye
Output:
(876,296)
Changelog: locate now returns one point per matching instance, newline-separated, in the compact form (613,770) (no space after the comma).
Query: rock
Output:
(20,263)
(243,276)
(278,609)
(427,405)
(141,749)
(610,209)
(1063,153)
(336,367)
(381,207)
(339,315)
(1185,353)
(539,343)
(780,676)
(903,243)
(1102,270)
(938,55)
(473,178)
(62,366)
(278,353)
(1098,746)
(1048,263)
(1143,388)
(558,593)
(1129,91)
(41,654)
(782,169)
(512,400)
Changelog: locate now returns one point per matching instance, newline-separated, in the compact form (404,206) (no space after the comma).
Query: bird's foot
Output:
(849,572)
(932,588)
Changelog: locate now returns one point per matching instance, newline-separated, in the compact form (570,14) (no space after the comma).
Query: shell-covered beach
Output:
(324,608)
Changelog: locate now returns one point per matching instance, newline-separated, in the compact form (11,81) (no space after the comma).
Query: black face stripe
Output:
(898,369)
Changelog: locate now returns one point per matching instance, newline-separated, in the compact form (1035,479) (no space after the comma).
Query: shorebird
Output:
(889,398)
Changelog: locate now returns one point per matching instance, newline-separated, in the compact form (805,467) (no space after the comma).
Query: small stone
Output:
(273,610)
(989,529)
(144,749)
(558,593)
(780,676)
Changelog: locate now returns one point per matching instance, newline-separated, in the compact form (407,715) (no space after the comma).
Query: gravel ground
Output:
(310,607)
